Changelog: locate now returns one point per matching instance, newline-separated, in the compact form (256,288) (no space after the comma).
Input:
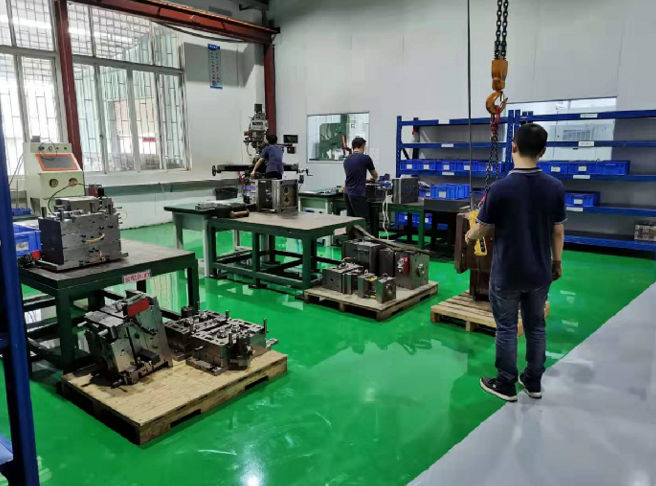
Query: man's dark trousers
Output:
(505,307)
(358,207)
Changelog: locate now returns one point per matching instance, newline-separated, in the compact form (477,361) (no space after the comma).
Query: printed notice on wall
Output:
(216,79)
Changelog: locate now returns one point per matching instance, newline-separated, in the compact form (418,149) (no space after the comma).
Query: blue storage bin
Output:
(424,192)
(400,220)
(582,167)
(479,165)
(27,239)
(554,166)
(452,165)
(425,165)
(20,211)
(450,191)
(613,167)
(408,165)
(582,199)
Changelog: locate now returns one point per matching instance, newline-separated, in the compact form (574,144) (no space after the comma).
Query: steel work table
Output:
(322,200)
(376,208)
(187,217)
(306,227)
(91,282)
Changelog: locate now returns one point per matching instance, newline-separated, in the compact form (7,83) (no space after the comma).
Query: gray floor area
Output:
(596,424)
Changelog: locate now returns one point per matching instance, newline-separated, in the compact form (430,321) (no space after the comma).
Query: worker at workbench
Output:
(356,166)
(525,212)
(272,156)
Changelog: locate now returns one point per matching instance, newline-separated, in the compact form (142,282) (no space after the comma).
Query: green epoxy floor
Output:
(363,403)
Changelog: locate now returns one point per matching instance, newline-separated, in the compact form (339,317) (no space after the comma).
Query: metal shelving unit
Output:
(18,461)
(512,122)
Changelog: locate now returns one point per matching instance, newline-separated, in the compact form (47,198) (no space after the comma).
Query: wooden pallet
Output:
(473,313)
(166,398)
(352,303)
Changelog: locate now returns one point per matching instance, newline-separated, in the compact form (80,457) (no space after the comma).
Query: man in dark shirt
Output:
(272,155)
(356,166)
(525,212)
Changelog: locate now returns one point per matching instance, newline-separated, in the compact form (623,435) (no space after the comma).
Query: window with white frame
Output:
(128,79)
(28,81)
(129,85)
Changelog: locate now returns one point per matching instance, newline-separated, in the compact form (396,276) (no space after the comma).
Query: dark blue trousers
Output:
(505,307)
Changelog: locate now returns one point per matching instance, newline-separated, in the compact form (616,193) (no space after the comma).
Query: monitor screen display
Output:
(57,162)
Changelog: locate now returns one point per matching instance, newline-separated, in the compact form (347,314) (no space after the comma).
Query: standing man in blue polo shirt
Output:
(356,166)
(525,212)
(272,156)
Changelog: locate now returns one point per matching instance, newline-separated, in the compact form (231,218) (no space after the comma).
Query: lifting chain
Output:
(499,72)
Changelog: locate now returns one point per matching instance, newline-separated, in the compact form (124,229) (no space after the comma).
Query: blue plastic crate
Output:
(582,199)
(428,222)
(408,165)
(450,191)
(20,211)
(27,239)
(479,165)
(582,167)
(400,220)
(554,166)
(452,165)
(424,192)
(426,165)
(613,167)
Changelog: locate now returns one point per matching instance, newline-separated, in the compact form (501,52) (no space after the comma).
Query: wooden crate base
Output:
(166,398)
(472,313)
(352,303)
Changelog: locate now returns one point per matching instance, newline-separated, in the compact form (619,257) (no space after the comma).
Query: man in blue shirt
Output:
(272,155)
(525,213)
(356,166)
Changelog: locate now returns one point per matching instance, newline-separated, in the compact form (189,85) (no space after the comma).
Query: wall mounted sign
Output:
(216,78)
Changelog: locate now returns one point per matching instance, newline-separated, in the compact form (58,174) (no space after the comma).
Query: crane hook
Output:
(499,73)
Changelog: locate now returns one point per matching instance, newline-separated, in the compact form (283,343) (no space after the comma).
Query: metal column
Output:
(68,77)
(22,469)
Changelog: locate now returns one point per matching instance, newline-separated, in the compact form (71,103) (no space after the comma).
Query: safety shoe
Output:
(504,392)
(532,390)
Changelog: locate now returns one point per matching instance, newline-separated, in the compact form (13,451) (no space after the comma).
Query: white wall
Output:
(409,58)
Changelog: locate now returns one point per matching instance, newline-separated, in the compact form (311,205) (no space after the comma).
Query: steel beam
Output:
(188,17)
(68,77)
(270,86)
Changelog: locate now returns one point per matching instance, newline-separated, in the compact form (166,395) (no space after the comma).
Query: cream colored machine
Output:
(50,168)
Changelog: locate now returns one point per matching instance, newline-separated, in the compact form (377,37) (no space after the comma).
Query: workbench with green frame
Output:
(377,207)
(265,227)
(446,209)
(64,288)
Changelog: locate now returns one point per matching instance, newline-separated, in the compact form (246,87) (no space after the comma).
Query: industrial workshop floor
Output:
(363,403)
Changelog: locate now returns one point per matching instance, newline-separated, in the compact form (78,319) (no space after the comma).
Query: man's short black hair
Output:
(358,143)
(272,139)
(531,139)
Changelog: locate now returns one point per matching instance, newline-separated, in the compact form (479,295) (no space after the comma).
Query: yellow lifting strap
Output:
(480,249)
